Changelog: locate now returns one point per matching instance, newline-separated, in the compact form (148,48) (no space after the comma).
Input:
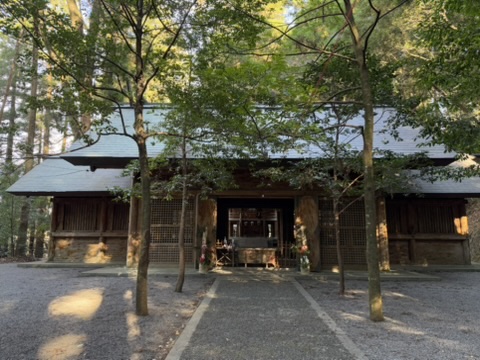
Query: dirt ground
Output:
(55,314)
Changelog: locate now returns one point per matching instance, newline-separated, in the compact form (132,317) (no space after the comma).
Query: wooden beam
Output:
(441,237)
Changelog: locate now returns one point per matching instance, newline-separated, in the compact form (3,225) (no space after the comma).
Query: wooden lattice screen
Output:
(422,216)
(352,234)
(80,215)
(164,228)
(83,214)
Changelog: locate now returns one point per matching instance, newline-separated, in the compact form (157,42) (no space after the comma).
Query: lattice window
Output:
(164,230)
(161,253)
(352,233)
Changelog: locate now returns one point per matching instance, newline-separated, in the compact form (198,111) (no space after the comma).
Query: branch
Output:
(321,6)
(177,33)
(350,204)
(119,29)
(371,28)
(285,34)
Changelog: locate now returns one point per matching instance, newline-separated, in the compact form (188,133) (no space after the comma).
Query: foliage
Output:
(436,72)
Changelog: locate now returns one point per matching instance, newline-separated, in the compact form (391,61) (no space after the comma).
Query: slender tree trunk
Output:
(9,168)
(12,227)
(141,137)
(75,15)
(47,120)
(141,299)
(65,134)
(336,203)
(39,244)
(31,238)
(181,231)
(336,226)
(11,79)
(11,124)
(29,163)
(78,23)
(374,291)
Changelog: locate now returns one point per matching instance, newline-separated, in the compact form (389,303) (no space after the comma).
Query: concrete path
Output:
(261,317)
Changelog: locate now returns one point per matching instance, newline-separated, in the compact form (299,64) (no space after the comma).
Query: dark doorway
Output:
(284,210)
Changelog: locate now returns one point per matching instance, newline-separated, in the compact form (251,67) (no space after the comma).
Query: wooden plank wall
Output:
(428,231)
(88,230)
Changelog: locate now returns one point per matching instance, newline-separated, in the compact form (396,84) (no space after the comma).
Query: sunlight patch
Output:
(132,325)
(7,307)
(81,304)
(62,348)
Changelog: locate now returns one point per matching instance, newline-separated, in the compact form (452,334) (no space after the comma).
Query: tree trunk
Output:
(21,243)
(47,120)
(144,253)
(181,231)
(336,224)
(32,117)
(374,291)
(39,244)
(336,211)
(141,137)
(11,80)
(9,166)
(12,227)
(31,239)
(11,125)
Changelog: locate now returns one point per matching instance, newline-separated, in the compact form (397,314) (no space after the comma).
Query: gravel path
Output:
(434,320)
(53,314)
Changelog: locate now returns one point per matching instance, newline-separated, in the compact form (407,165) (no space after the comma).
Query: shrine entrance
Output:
(260,229)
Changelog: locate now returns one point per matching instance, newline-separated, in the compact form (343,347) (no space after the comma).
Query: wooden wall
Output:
(88,230)
(428,231)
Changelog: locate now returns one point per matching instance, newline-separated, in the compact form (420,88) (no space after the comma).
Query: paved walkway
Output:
(261,317)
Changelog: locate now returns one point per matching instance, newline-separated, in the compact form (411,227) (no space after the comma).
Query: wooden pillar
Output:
(461,225)
(206,222)
(382,235)
(306,219)
(133,233)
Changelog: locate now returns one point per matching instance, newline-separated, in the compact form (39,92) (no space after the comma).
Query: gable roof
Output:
(71,174)
(58,177)
(117,150)
(466,187)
